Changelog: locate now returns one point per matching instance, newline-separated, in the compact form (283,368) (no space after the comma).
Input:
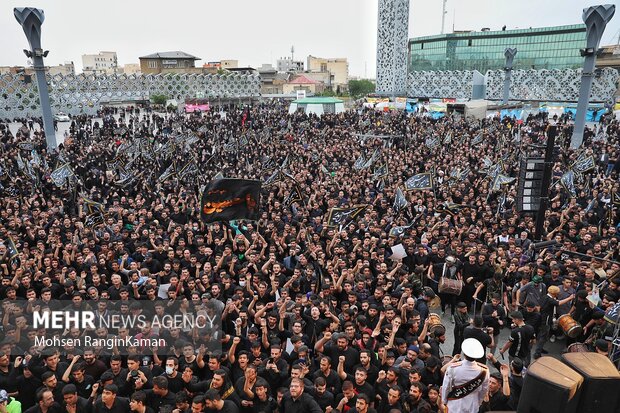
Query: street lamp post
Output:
(595,18)
(31,20)
(510,54)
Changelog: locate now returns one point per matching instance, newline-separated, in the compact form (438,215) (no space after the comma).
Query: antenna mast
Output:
(443,16)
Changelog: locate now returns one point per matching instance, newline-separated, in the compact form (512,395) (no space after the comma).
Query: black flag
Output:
(94,219)
(93,206)
(342,216)
(381,171)
(568,182)
(227,199)
(294,196)
(584,164)
(61,175)
(11,248)
(501,180)
(400,202)
(419,181)
(359,163)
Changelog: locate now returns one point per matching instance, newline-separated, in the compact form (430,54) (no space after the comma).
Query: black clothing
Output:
(520,341)
(155,401)
(120,405)
(481,336)
(303,404)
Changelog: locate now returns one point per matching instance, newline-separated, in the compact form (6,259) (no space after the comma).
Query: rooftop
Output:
(318,100)
(170,55)
(303,80)
(503,33)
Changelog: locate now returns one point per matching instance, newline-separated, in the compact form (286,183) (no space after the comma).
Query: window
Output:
(469,42)
(152,64)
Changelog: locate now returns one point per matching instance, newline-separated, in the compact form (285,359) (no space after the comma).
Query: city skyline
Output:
(346,28)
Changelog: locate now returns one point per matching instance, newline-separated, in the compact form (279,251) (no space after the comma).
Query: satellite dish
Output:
(29,62)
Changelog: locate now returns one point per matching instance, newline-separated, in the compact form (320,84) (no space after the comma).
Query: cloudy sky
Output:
(257,32)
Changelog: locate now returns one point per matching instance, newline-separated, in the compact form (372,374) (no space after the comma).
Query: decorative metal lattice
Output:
(561,85)
(392,32)
(441,84)
(75,94)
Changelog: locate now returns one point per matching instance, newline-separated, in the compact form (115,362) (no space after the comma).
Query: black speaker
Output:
(601,386)
(550,386)
(529,189)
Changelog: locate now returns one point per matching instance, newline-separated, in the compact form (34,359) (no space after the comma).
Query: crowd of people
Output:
(313,316)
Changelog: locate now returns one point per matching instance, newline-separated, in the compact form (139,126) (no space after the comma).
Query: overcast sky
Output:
(257,32)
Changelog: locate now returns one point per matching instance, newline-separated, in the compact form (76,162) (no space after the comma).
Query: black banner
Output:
(342,216)
(568,182)
(400,202)
(11,249)
(93,207)
(584,164)
(294,196)
(419,181)
(227,199)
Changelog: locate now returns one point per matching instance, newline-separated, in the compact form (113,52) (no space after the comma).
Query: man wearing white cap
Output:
(466,382)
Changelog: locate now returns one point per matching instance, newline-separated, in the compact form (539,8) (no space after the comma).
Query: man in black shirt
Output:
(392,401)
(46,403)
(137,403)
(160,396)
(520,339)
(461,320)
(214,402)
(548,305)
(109,402)
(322,396)
(499,391)
(263,401)
(479,333)
(331,377)
(296,401)
(72,402)
(414,401)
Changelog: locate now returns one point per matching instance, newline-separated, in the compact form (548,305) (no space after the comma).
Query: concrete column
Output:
(510,54)
(596,19)
(31,20)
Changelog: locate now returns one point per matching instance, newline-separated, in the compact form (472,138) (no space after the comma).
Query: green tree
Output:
(359,88)
(327,93)
(159,99)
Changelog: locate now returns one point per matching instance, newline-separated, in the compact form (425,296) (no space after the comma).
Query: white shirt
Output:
(459,374)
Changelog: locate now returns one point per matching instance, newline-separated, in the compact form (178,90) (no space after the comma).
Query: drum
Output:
(450,286)
(578,348)
(569,326)
(435,303)
(434,321)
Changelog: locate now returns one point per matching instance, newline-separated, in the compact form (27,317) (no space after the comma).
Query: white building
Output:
(101,63)
(287,64)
